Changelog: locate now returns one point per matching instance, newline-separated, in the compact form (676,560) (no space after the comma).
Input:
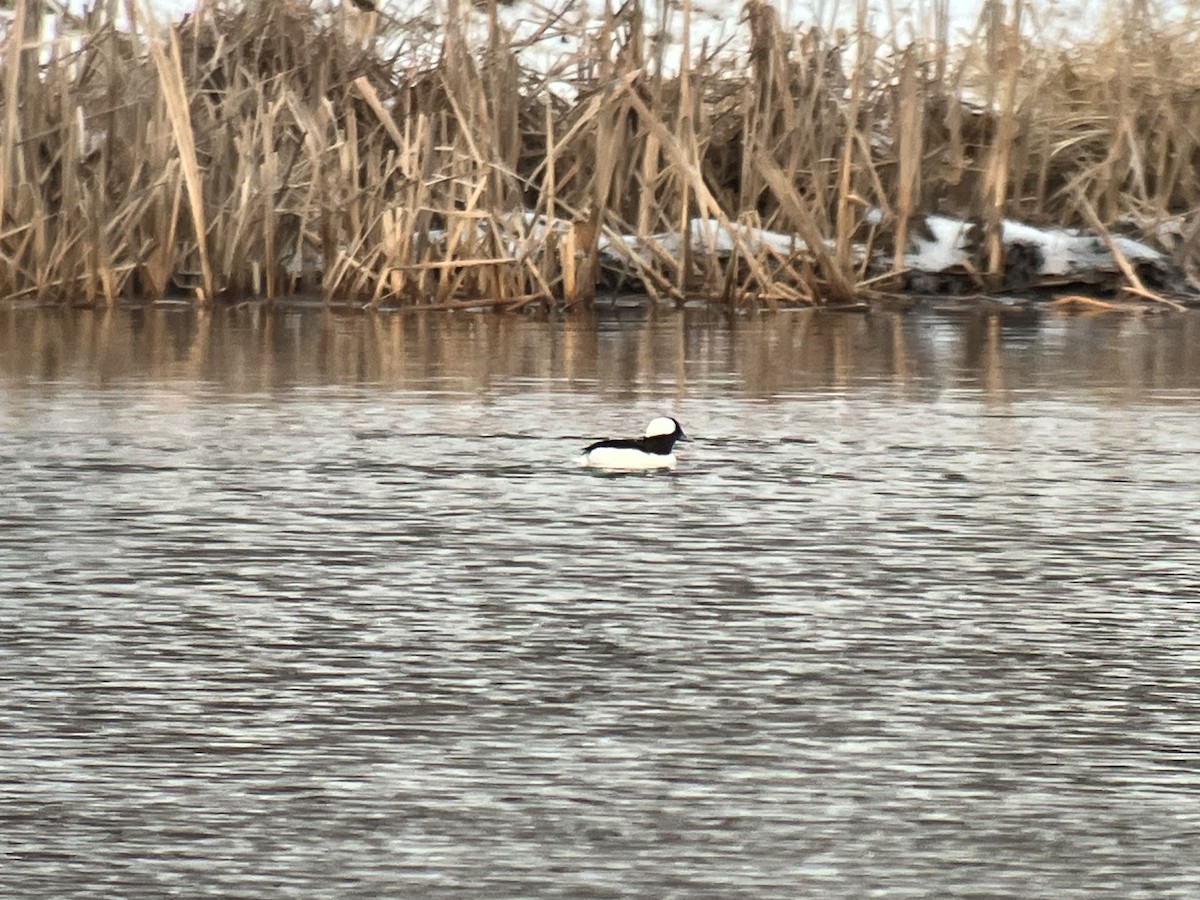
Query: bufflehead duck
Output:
(654,451)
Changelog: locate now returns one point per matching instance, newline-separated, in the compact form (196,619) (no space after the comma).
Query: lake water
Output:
(306,604)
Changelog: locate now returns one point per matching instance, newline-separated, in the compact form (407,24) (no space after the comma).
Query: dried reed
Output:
(267,148)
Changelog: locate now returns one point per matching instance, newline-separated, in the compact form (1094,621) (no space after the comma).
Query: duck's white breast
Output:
(626,458)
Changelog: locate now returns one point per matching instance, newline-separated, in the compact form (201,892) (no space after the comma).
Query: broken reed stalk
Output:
(1134,283)
(909,149)
(858,75)
(13,68)
(174,93)
(269,148)
(1006,60)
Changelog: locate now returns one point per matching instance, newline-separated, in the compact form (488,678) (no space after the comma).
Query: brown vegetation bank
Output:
(268,148)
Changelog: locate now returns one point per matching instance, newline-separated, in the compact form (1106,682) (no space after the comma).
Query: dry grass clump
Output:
(266,148)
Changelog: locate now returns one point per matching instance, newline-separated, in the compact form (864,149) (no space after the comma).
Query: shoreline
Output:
(1056,303)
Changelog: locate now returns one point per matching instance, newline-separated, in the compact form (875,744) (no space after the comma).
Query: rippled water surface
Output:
(316,605)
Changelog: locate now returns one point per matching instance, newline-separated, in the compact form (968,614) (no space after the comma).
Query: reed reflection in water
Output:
(252,348)
(307,604)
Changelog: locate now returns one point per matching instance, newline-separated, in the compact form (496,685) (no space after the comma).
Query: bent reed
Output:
(272,147)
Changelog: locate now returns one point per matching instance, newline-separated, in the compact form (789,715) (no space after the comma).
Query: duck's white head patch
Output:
(661,426)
